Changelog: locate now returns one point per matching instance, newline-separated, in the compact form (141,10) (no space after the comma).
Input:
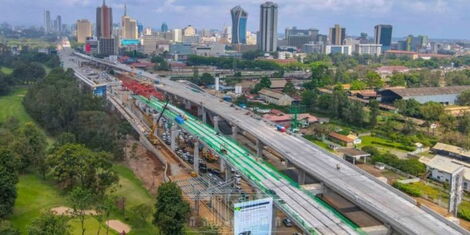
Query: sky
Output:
(447,19)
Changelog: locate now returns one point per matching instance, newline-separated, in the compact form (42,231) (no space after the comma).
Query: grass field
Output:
(383,144)
(6,70)
(11,106)
(34,196)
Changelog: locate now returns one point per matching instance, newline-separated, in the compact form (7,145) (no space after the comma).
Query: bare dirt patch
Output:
(118,226)
(63,210)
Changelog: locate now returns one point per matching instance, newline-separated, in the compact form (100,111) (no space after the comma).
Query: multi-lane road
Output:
(372,195)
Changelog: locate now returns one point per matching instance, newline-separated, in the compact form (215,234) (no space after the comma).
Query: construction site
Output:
(219,165)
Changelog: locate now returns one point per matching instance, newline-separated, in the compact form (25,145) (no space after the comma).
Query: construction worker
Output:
(338,167)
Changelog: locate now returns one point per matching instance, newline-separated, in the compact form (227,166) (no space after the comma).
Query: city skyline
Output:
(436,18)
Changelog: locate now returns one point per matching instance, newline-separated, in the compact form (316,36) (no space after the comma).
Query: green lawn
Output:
(6,70)
(34,195)
(383,144)
(11,106)
(132,189)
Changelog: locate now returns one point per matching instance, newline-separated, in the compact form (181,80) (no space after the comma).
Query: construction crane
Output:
(294,110)
(151,135)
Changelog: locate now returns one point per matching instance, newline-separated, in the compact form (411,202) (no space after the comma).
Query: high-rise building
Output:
(239,20)
(58,28)
(104,21)
(189,31)
(337,35)
(129,28)
(383,35)
(47,21)
(164,27)
(298,37)
(176,35)
(267,37)
(83,30)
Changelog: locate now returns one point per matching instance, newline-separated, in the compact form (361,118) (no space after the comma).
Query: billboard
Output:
(253,217)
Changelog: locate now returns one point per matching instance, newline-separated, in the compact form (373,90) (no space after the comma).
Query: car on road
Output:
(287,222)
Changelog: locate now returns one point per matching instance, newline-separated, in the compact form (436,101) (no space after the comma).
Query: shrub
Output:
(408,188)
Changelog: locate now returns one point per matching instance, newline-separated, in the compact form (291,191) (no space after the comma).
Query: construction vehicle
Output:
(151,136)
(209,156)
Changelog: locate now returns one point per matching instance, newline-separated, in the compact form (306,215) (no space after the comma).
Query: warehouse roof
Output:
(448,165)
(425,91)
(451,149)
(271,93)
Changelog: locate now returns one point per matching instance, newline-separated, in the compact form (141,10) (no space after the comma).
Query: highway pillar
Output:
(196,157)
(228,173)
(174,133)
(187,105)
(216,123)
(301,176)
(222,165)
(259,148)
(204,115)
(234,132)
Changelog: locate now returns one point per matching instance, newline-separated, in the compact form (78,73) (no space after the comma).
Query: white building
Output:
(338,49)
(441,169)
(149,44)
(189,31)
(213,50)
(272,97)
(368,49)
(177,35)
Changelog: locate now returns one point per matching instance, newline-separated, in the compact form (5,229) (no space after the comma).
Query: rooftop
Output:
(341,137)
(448,165)
(425,91)
(271,93)
(452,149)
(353,152)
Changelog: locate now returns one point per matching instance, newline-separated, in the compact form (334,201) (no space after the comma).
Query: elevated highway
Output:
(389,205)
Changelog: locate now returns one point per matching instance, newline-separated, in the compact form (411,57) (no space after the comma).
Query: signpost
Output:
(253,217)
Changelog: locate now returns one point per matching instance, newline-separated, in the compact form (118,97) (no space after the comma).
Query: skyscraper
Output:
(268,27)
(104,21)
(383,35)
(83,30)
(128,26)
(239,20)
(58,28)
(47,21)
(164,27)
(337,35)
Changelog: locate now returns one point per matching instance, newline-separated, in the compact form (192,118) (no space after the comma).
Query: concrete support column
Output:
(301,176)
(204,115)
(196,157)
(216,123)
(234,132)
(259,148)
(187,105)
(228,173)
(174,134)
(222,165)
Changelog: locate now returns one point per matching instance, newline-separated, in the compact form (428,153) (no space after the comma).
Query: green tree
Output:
(397,79)
(431,111)
(464,124)
(49,224)
(373,80)
(374,112)
(30,145)
(464,98)
(4,86)
(141,212)
(206,79)
(289,88)
(321,75)
(265,82)
(171,211)
(408,107)
(81,200)
(8,180)
(6,228)
(358,85)
(74,165)
(241,100)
